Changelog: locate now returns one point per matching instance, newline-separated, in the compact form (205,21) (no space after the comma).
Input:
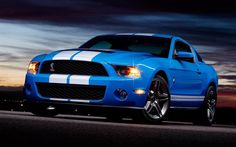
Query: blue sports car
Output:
(144,75)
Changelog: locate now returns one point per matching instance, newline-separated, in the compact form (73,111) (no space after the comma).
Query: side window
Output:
(182,47)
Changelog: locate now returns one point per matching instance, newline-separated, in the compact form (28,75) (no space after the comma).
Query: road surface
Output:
(24,129)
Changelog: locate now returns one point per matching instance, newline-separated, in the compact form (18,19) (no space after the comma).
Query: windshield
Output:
(155,45)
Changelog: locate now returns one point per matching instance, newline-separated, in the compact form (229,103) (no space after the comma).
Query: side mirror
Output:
(184,56)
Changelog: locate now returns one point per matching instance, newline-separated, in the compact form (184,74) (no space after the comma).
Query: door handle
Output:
(199,72)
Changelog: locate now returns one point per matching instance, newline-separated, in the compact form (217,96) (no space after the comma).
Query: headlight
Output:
(127,71)
(33,67)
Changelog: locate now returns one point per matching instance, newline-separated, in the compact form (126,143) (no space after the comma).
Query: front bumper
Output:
(110,99)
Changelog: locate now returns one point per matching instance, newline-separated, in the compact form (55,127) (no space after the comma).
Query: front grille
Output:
(73,68)
(84,92)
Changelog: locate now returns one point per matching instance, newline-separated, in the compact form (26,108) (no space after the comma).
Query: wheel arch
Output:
(212,83)
(163,74)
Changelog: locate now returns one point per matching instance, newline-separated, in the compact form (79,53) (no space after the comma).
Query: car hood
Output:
(118,57)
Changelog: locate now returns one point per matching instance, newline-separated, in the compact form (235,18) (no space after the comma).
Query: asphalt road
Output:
(24,129)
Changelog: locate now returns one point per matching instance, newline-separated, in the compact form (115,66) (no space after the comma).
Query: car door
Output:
(186,74)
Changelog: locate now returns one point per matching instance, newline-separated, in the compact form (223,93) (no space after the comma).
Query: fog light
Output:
(121,93)
(139,91)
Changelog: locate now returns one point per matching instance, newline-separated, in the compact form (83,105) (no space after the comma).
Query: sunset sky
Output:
(31,27)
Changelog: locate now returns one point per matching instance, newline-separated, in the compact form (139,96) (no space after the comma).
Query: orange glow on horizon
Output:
(12,77)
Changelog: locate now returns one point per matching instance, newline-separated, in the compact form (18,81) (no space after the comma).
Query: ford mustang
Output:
(135,73)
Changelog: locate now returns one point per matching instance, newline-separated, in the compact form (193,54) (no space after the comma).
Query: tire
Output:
(44,111)
(206,114)
(158,102)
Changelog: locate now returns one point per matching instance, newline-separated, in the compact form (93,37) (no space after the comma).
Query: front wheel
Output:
(158,101)
(206,113)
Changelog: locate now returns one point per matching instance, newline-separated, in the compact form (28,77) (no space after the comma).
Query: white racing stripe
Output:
(56,78)
(86,55)
(82,80)
(64,55)
(186,97)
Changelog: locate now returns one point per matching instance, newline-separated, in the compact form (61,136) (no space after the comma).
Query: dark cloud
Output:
(207,30)
(83,10)
(228,77)
(205,22)
(208,21)
(6,57)
(227,90)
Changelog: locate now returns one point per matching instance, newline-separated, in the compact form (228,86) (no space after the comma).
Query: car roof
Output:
(141,34)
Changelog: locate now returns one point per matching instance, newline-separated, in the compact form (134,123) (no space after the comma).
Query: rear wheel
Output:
(206,113)
(158,101)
